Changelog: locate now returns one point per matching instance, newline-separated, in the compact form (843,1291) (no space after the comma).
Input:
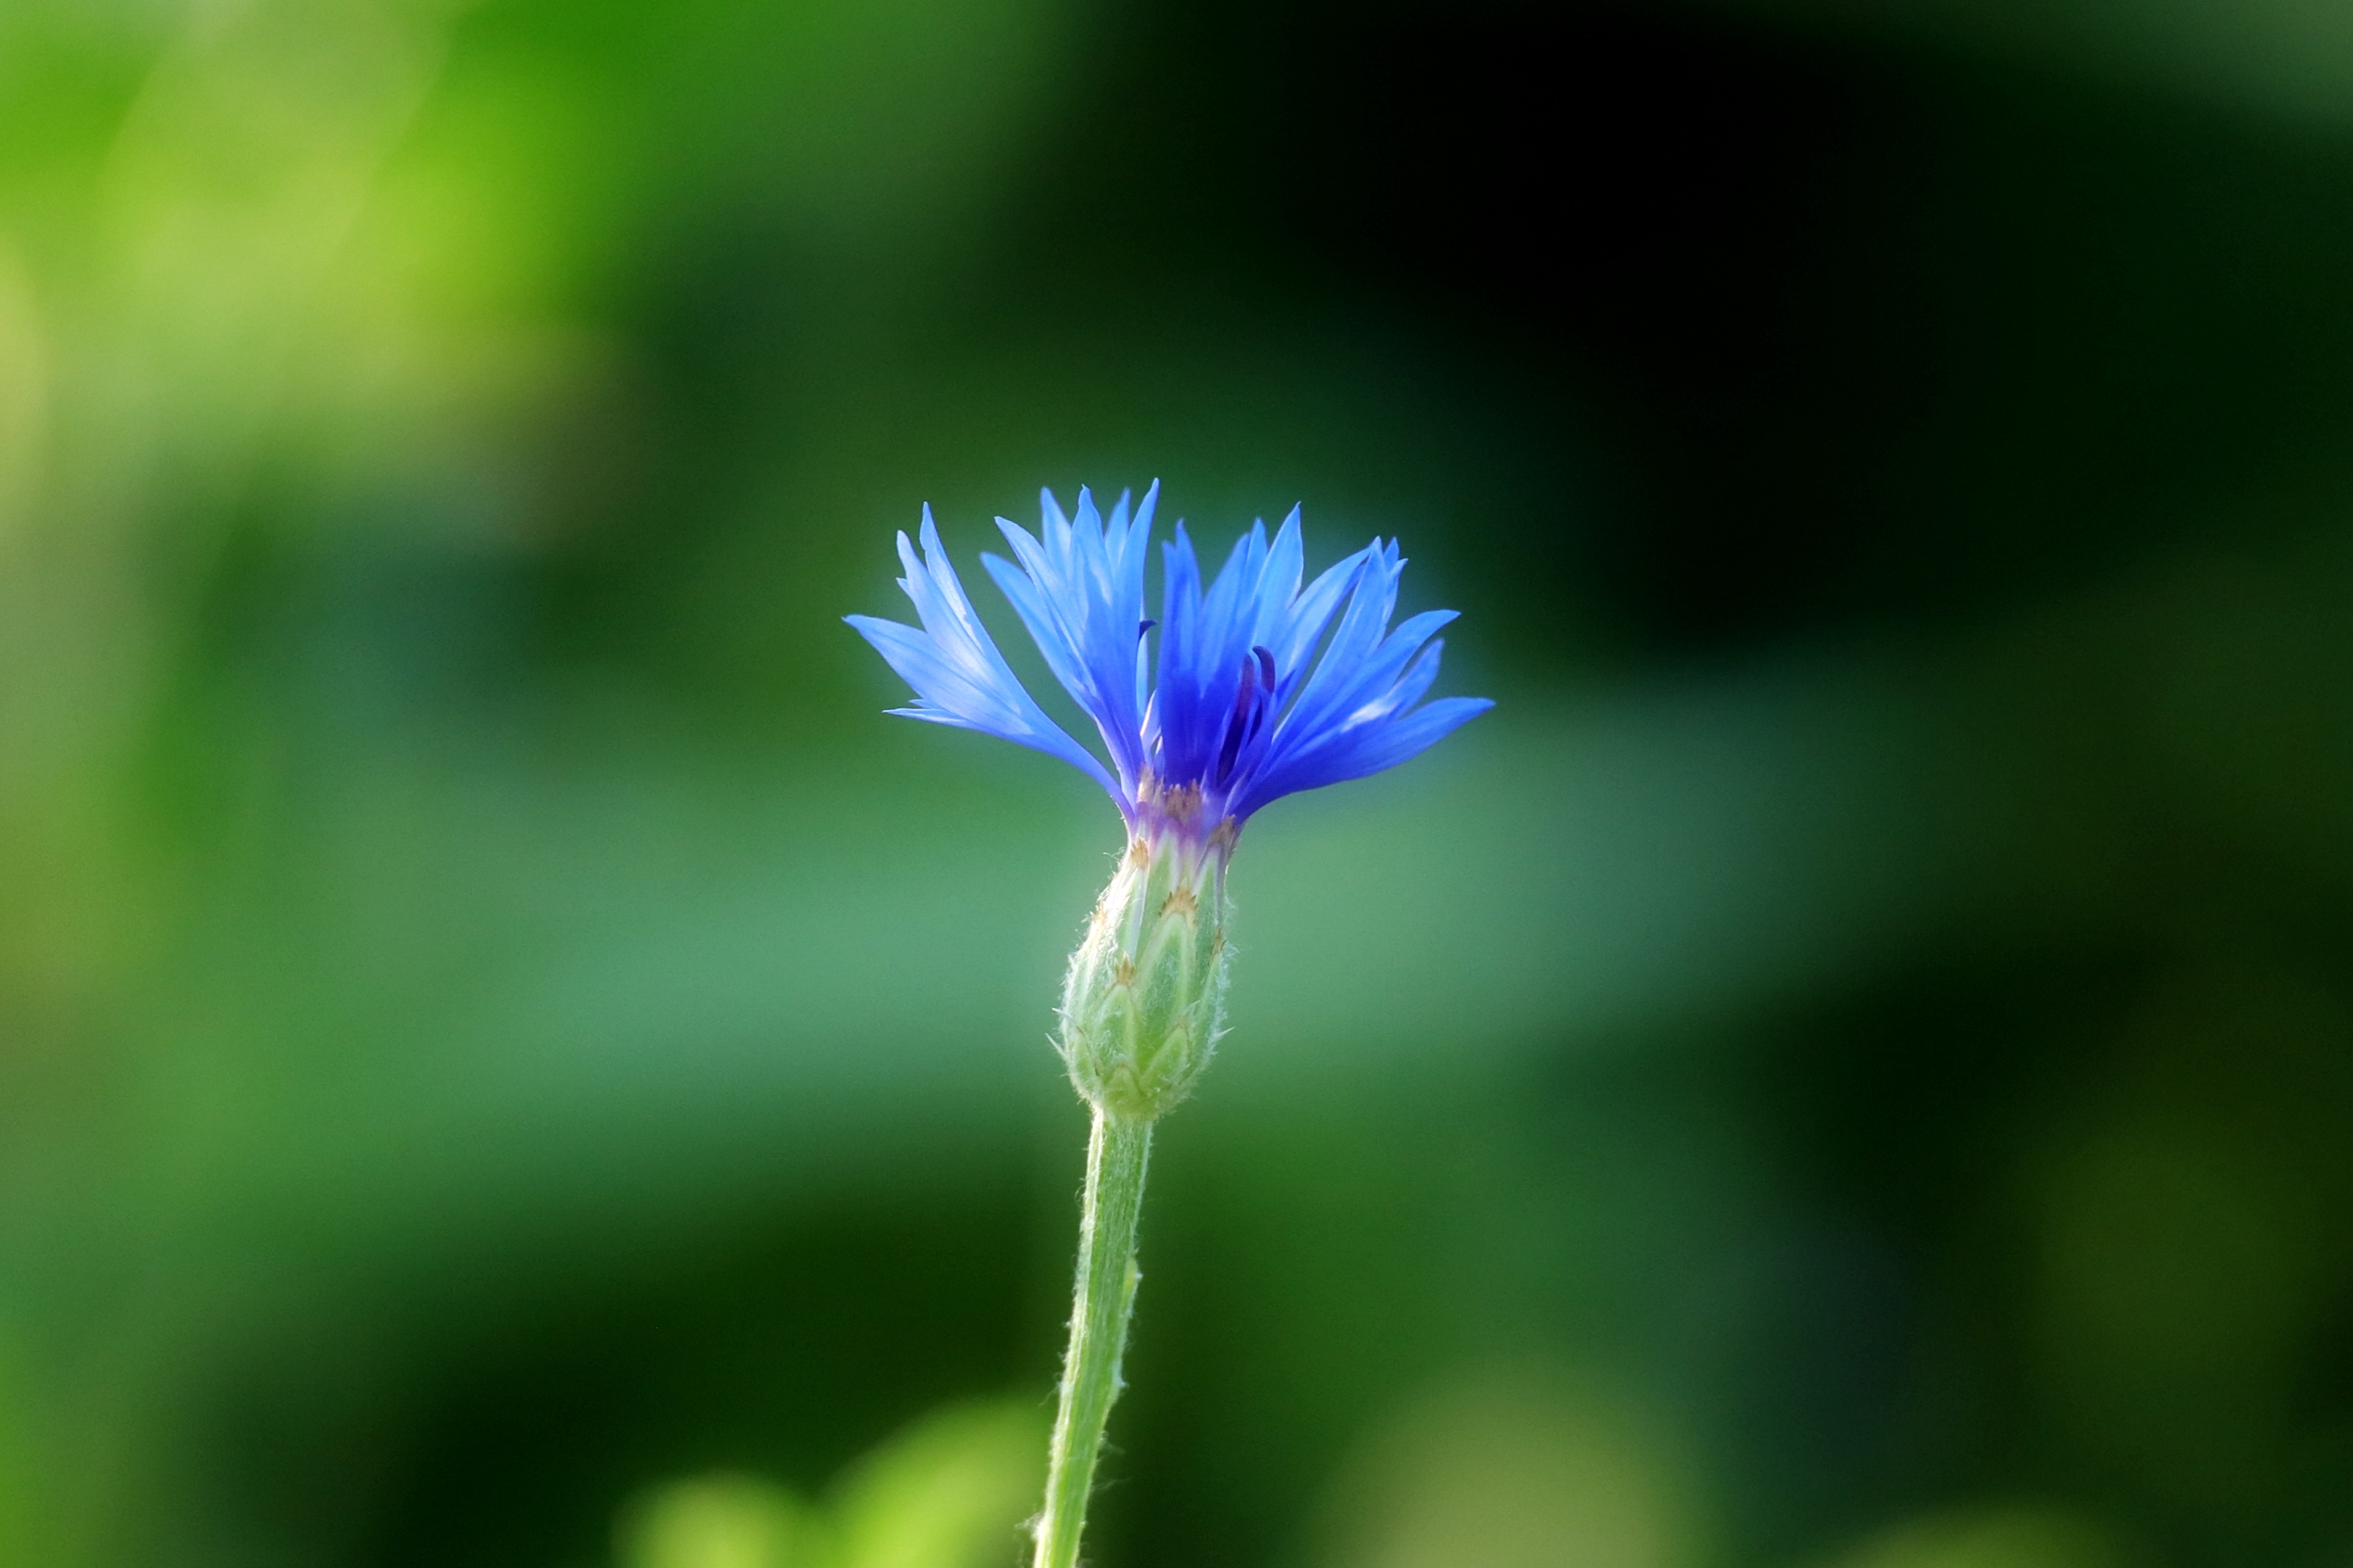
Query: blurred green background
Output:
(506,1057)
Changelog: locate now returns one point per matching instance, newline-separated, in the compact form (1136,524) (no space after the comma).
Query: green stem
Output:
(1107,1295)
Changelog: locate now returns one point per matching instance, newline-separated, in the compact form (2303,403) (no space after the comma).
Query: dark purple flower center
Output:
(1253,700)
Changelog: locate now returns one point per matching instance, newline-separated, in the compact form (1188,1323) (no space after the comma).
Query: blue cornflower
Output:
(1261,688)
(1239,708)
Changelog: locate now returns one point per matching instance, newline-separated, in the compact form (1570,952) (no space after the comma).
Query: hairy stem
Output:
(1116,1154)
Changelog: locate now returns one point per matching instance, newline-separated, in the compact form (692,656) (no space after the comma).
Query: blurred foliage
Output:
(722,1521)
(1849,1065)
(1515,1467)
(951,1492)
(1992,1538)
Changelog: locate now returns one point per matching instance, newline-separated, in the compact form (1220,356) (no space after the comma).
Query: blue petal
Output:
(959,677)
(1358,753)
(1304,622)
(1080,592)
(1261,688)
(1182,719)
(1374,594)
(1354,694)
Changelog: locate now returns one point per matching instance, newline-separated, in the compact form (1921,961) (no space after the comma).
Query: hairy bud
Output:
(1145,998)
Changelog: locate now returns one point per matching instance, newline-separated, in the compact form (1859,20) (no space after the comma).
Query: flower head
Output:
(1249,700)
